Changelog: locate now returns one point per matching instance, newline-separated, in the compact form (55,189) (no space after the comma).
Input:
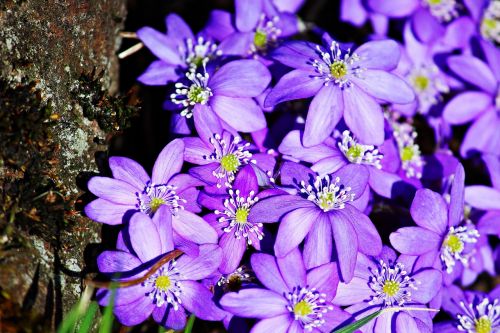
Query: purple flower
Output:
(178,51)
(324,213)
(486,15)
(481,106)
(439,237)
(222,156)
(172,289)
(224,99)
(343,85)
(295,300)
(230,217)
(472,312)
(358,13)
(258,27)
(131,190)
(388,281)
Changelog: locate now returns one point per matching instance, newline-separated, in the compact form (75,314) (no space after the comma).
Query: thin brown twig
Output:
(128,34)
(121,284)
(130,51)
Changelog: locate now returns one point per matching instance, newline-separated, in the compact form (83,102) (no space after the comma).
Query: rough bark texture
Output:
(58,73)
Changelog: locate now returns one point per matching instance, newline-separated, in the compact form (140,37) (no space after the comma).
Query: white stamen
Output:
(170,293)
(200,52)
(453,248)
(483,317)
(153,196)
(490,23)
(327,193)
(308,306)
(358,153)
(197,92)
(444,10)
(409,151)
(429,85)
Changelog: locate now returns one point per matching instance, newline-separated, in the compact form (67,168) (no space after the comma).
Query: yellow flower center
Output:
(230,162)
(338,69)
(390,288)
(454,244)
(260,39)
(434,2)
(156,203)
(421,82)
(196,94)
(325,202)
(302,309)
(483,325)
(355,151)
(407,154)
(163,282)
(242,215)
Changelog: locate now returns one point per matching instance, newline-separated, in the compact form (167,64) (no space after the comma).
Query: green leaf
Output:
(358,324)
(190,323)
(87,320)
(108,317)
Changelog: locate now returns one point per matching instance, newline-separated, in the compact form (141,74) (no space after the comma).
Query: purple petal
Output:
(324,113)
(246,181)
(292,145)
(219,24)
(177,28)
(456,208)
(431,280)
(483,135)
(248,13)
(193,228)
(196,151)
(255,303)
(206,123)
(466,106)
(489,223)
(129,171)
(493,164)
(363,116)
(296,54)
(369,240)
(491,54)
(318,244)
(292,269)
(117,261)
(293,173)
(267,271)
(405,323)
(136,312)
(346,244)
(271,209)
(197,299)
(205,173)
(232,252)
(296,84)
(334,318)
(414,240)
(114,190)
(162,219)
(167,316)
(353,11)
(243,114)
(160,45)
(354,176)
(482,197)
(426,26)
(201,266)
(105,211)
(237,44)
(325,279)
(429,211)
(144,237)
(278,324)
(293,229)
(330,164)
(385,86)
(168,162)
(391,8)
(159,73)
(356,291)
(381,54)
(240,78)
(474,71)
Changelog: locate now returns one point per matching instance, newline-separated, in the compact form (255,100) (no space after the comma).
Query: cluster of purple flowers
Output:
(274,214)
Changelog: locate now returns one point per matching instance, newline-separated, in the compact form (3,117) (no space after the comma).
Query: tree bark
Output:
(58,77)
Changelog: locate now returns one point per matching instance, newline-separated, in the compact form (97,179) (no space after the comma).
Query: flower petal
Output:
(325,279)
(483,135)
(385,86)
(296,54)
(405,323)
(363,116)
(206,122)
(482,197)
(117,261)
(278,324)
(369,240)
(293,229)
(325,112)
(178,28)
(168,162)
(429,211)
(356,291)
(318,244)
(159,73)
(474,71)
(248,13)
(129,171)
(163,222)
(268,273)
(144,237)
(456,207)
(160,45)
(240,78)
(272,209)
(167,316)
(113,190)
(296,84)
(292,145)
(346,244)
(242,114)
(292,269)
(254,303)
(108,212)
(466,106)
(193,228)
(415,240)
(134,313)
(430,284)
(232,252)
(201,266)
(197,299)
(391,8)
(380,54)
(354,176)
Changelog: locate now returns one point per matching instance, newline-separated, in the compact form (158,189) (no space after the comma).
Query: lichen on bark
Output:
(58,80)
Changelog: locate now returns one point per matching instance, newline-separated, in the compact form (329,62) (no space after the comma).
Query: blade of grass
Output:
(69,322)
(190,323)
(358,324)
(87,320)
(108,317)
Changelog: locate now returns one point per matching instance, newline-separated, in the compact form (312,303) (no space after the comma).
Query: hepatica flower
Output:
(343,84)
(178,51)
(172,289)
(131,189)
(295,300)
(387,281)
(481,106)
(322,212)
(224,96)
(439,234)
